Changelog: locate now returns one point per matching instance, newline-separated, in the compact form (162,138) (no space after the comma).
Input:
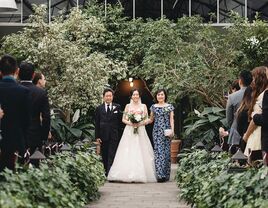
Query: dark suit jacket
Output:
(107,125)
(39,129)
(15,102)
(262,120)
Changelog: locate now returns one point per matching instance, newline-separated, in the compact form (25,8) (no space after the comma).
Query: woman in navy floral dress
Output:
(162,114)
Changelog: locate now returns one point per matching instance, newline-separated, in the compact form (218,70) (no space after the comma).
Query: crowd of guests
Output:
(247,115)
(24,112)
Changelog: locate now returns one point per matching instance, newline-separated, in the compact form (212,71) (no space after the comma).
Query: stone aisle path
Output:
(133,195)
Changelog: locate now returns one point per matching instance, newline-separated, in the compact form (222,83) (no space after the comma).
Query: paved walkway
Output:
(138,195)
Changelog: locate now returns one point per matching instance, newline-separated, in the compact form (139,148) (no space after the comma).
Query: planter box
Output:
(174,150)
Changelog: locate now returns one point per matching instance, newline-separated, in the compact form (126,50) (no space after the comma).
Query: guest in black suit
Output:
(15,102)
(39,80)
(107,125)
(40,117)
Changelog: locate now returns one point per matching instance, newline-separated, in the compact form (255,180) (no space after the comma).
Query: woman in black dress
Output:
(242,116)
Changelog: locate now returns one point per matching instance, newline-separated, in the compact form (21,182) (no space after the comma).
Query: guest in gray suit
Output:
(233,104)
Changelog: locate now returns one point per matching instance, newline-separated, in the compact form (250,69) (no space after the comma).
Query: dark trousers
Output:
(7,160)
(108,151)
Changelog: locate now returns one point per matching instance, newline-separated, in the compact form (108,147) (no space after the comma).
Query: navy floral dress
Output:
(161,142)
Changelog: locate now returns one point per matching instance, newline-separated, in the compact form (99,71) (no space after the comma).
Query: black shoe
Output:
(161,180)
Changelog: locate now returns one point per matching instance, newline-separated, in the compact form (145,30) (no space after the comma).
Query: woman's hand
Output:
(245,137)
(1,113)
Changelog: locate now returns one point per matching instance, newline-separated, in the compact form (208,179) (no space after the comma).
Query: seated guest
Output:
(242,116)
(39,126)
(15,102)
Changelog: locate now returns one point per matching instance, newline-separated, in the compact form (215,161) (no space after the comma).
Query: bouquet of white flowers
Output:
(136,117)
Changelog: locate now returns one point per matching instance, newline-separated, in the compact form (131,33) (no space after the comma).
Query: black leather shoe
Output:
(161,180)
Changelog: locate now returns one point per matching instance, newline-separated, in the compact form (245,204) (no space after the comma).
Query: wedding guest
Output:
(223,134)
(233,103)
(39,127)
(242,116)
(15,102)
(261,119)
(253,133)
(234,86)
(163,116)
(39,80)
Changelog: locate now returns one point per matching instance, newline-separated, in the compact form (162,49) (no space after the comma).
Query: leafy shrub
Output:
(80,127)
(64,181)
(44,187)
(204,126)
(84,170)
(205,183)
(194,168)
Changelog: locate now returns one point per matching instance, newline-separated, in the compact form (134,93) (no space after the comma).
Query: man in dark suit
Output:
(15,102)
(107,125)
(40,114)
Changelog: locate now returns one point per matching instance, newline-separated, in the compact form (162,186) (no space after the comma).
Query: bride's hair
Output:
(134,90)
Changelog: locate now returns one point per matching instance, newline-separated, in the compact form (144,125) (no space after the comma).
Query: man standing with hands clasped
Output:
(107,124)
(15,102)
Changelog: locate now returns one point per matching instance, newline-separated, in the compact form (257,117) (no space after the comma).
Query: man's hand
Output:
(222,132)
(49,135)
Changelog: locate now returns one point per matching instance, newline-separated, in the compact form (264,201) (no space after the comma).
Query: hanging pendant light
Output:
(8,5)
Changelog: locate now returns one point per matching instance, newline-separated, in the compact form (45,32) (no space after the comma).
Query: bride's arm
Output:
(125,118)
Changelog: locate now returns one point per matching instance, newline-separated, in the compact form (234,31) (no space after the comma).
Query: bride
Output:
(134,159)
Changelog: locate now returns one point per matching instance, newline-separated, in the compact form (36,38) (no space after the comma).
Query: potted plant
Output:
(174,148)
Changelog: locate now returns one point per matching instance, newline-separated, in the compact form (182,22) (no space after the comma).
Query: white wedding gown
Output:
(134,159)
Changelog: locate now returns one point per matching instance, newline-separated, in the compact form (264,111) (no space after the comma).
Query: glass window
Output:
(260,6)
(226,6)
(176,9)
(206,9)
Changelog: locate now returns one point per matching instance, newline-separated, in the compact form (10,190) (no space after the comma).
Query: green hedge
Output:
(204,182)
(66,180)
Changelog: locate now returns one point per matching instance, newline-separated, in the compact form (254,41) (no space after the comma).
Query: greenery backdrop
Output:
(84,51)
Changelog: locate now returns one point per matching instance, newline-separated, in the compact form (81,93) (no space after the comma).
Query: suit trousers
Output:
(108,151)
(7,160)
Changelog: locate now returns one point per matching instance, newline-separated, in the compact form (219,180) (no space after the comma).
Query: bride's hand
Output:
(135,125)
(143,123)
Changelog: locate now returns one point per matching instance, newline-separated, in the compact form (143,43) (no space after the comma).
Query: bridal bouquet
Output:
(135,118)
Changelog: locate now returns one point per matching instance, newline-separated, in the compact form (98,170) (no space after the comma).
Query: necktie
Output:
(108,109)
